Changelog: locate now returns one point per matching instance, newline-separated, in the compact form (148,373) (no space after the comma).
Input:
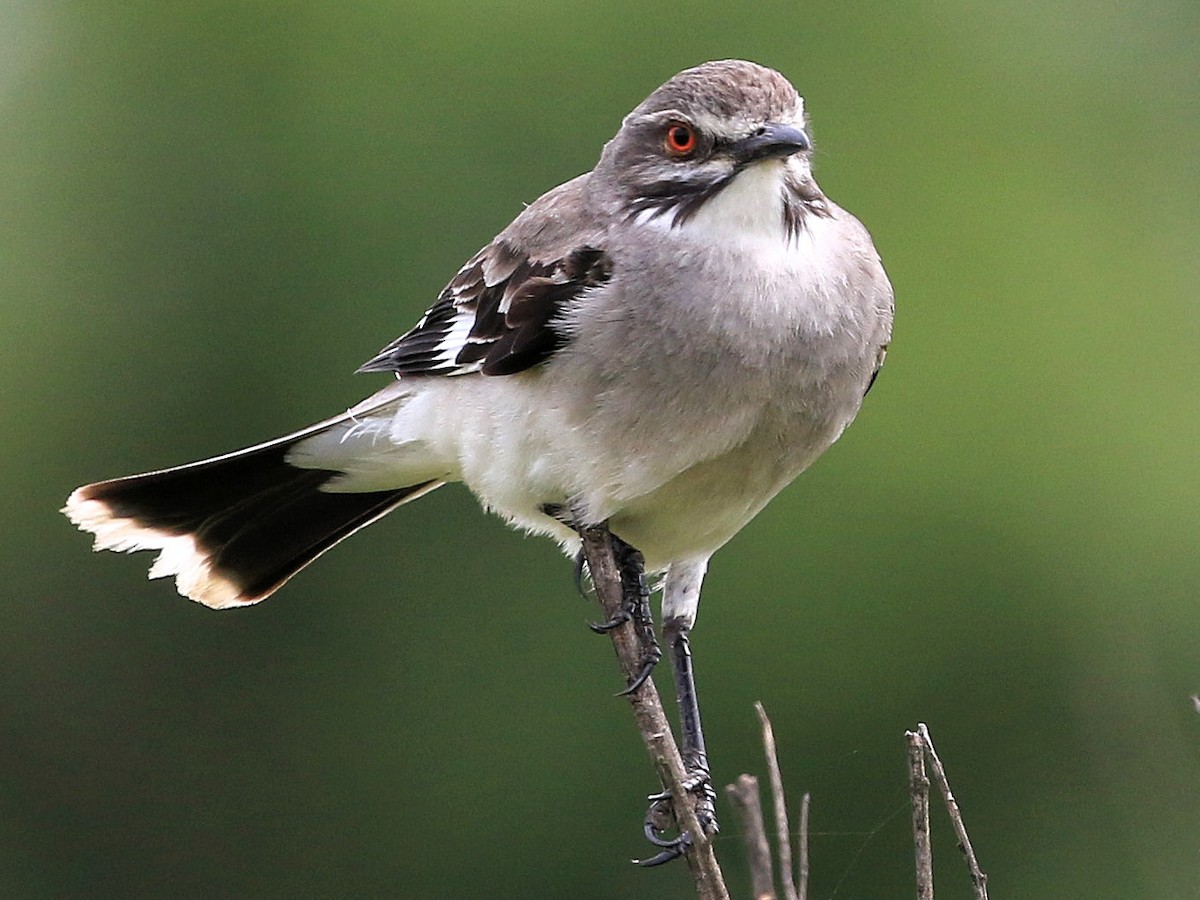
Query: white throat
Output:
(748,209)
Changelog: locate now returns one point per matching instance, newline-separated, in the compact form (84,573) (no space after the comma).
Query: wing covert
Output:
(500,314)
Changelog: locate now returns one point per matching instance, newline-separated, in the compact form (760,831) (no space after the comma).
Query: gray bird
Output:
(661,344)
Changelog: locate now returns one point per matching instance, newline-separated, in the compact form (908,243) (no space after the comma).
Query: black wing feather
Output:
(495,325)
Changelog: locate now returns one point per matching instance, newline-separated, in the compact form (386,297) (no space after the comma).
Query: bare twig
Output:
(802,847)
(745,798)
(783,836)
(651,720)
(978,878)
(918,786)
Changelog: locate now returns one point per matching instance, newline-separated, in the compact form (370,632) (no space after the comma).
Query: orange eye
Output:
(681,139)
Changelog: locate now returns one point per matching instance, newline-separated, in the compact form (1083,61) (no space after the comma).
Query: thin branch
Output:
(978,878)
(745,798)
(651,720)
(802,847)
(783,836)
(918,786)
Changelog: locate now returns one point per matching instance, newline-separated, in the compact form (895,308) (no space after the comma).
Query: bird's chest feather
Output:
(734,345)
(760,318)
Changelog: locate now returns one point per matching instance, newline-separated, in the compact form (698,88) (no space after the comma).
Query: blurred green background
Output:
(211,213)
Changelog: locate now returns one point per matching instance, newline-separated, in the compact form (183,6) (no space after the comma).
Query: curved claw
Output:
(698,783)
(674,843)
(608,625)
(640,679)
(663,856)
(672,848)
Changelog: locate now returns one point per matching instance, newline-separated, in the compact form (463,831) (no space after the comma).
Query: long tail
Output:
(234,528)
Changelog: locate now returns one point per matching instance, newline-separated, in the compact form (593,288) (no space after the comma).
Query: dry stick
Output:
(746,800)
(978,878)
(802,886)
(918,787)
(651,720)
(782,836)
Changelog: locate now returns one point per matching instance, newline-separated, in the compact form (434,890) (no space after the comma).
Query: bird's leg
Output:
(681,602)
(695,758)
(635,594)
(635,607)
(681,597)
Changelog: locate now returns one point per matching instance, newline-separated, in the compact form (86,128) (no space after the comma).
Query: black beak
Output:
(771,141)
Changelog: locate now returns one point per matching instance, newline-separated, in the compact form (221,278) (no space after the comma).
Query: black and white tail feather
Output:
(234,528)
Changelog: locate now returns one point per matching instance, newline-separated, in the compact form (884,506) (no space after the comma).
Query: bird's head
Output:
(706,129)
